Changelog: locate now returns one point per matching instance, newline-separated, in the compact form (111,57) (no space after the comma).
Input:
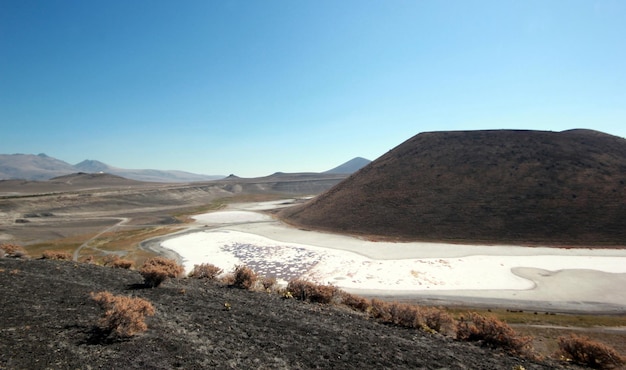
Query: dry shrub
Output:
(228,278)
(268,283)
(90,260)
(123,316)
(155,270)
(56,255)
(380,309)
(404,314)
(355,302)
(116,262)
(492,332)
(312,292)
(587,352)
(437,319)
(244,277)
(205,271)
(14,250)
(429,319)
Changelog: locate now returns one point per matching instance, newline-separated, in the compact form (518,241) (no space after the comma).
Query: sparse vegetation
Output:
(587,352)
(158,269)
(123,316)
(205,271)
(57,255)
(268,283)
(355,302)
(14,251)
(308,291)
(492,332)
(117,262)
(244,277)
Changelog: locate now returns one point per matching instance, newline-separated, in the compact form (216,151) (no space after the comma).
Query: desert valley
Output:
(529,226)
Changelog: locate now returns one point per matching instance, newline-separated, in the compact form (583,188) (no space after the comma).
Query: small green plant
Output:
(244,277)
(123,316)
(587,352)
(157,269)
(205,271)
(56,255)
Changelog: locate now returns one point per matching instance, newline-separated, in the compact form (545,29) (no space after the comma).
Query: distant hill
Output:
(350,166)
(484,186)
(32,167)
(43,167)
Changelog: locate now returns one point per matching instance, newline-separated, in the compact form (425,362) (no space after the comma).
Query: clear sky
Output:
(254,87)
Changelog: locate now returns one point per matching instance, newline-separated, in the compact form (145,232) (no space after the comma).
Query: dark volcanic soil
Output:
(47,321)
(530,187)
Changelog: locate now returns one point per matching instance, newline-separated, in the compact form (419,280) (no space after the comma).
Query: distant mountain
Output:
(43,167)
(32,167)
(566,188)
(89,165)
(350,166)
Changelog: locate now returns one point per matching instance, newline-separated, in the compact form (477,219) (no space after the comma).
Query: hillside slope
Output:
(48,321)
(484,186)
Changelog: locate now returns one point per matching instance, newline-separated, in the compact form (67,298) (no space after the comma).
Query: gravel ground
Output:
(47,321)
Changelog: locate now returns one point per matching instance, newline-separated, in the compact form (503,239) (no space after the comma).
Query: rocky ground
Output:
(48,321)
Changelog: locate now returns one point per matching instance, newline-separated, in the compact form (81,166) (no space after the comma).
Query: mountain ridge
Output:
(42,167)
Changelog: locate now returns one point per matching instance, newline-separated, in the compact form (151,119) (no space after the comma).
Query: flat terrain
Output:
(71,212)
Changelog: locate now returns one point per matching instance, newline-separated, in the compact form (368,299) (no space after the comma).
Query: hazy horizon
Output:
(253,88)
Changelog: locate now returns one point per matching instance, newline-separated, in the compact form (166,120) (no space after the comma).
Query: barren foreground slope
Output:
(48,322)
(484,186)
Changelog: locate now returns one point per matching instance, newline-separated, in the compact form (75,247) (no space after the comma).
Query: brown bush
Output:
(312,292)
(244,277)
(381,310)
(437,319)
(492,332)
(115,261)
(123,316)
(355,302)
(14,250)
(156,270)
(56,255)
(587,352)
(268,282)
(205,271)
(89,260)
(228,278)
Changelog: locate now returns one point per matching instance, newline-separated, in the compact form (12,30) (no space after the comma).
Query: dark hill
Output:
(48,322)
(484,186)
(102,179)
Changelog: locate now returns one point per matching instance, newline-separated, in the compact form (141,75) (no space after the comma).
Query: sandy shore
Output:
(544,278)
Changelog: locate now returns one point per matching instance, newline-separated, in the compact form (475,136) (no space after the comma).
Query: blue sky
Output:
(255,87)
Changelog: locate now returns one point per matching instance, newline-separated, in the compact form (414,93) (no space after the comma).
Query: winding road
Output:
(122,221)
